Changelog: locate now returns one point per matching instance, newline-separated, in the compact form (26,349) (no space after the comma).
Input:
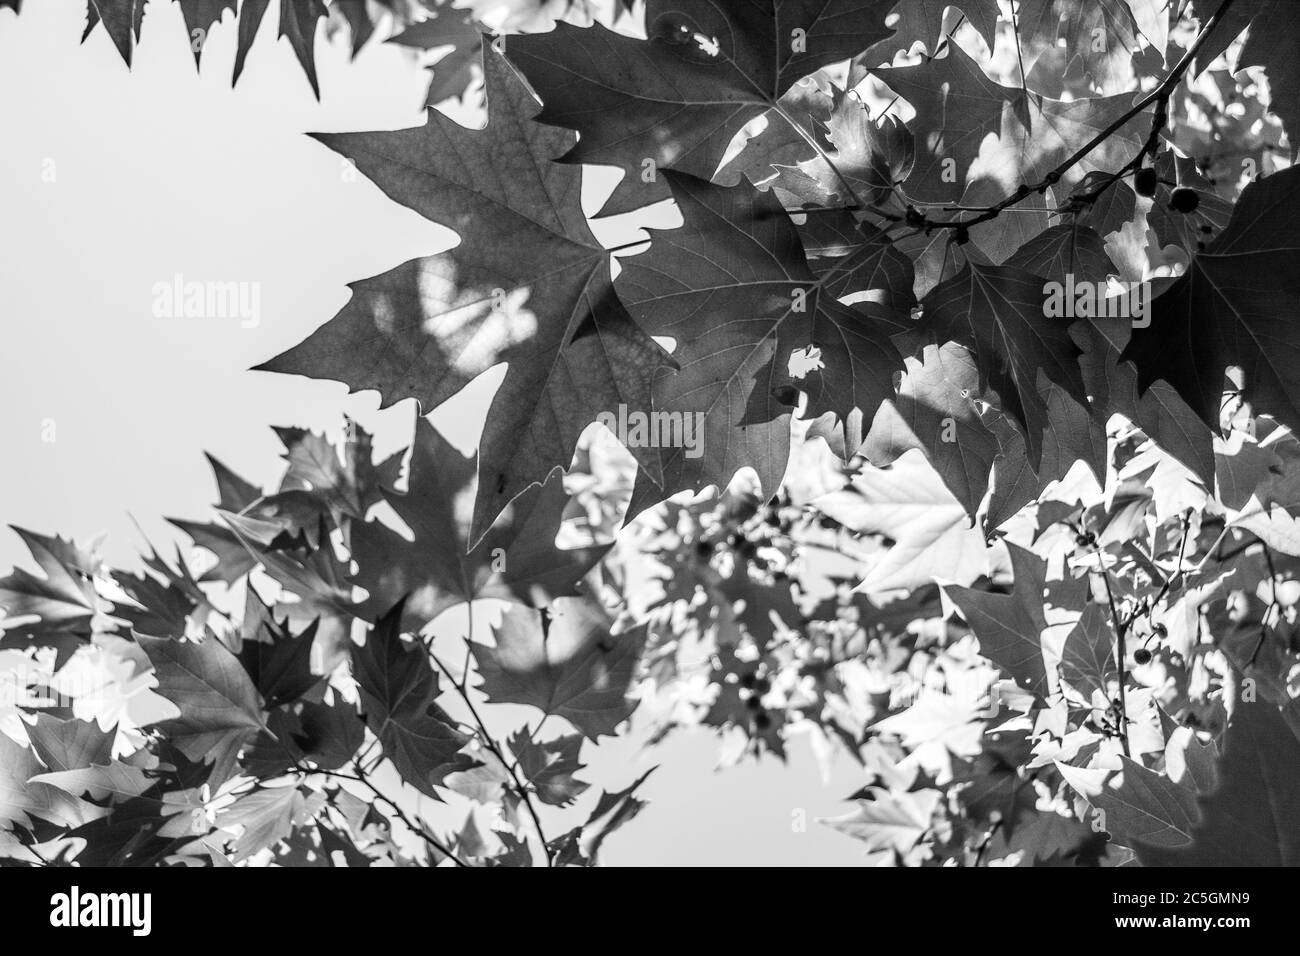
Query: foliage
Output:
(279,721)
(456,31)
(991,307)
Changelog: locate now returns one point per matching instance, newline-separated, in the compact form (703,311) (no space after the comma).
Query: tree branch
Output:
(1160,96)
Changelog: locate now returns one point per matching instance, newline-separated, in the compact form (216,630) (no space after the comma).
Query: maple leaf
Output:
(612,810)
(759,154)
(399,692)
(446,26)
(250,18)
(735,706)
(733,287)
(516,559)
(469,843)
(1114,208)
(358,19)
(1077,24)
(122,20)
(563,661)
(677,99)
(930,533)
(70,744)
(581,845)
(958,107)
(935,411)
(350,483)
(1271,43)
(888,820)
(998,313)
(1192,231)
(515,851)
(129,836)
(1065,250)
(1010,626)
(876,267)
(1242,469)
(220,708)
(317,576)
(922,21)
(549,765)
(17,765)
(876,277)
(1142,808)
(24,800)
(990,783)
(279,663)
(267,816)
(340,847)
(63,600)
(489,781)
(203,15)
(290,520)
(936,726)
(866,157)
(528,285)
(1088,656)
(327,735)
(1249,820)
(1160,412)
(761,607)
(298,21)
(233,492)
(112,781)
(233,559)
(331,733)
(1234,306)
(1191,761)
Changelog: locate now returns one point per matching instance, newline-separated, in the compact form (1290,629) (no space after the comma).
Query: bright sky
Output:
(163,171)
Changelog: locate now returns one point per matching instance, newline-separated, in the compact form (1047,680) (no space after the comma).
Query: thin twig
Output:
(984,844)
(1272,604)
(488,740)
(1178,565)
(422,832)
(1121,652)
(1160,96)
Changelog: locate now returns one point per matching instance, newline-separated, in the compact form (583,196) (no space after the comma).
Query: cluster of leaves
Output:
(1045,577)
(908,263)
(888,285)
(207,737)
(456,32)
(1061,699)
